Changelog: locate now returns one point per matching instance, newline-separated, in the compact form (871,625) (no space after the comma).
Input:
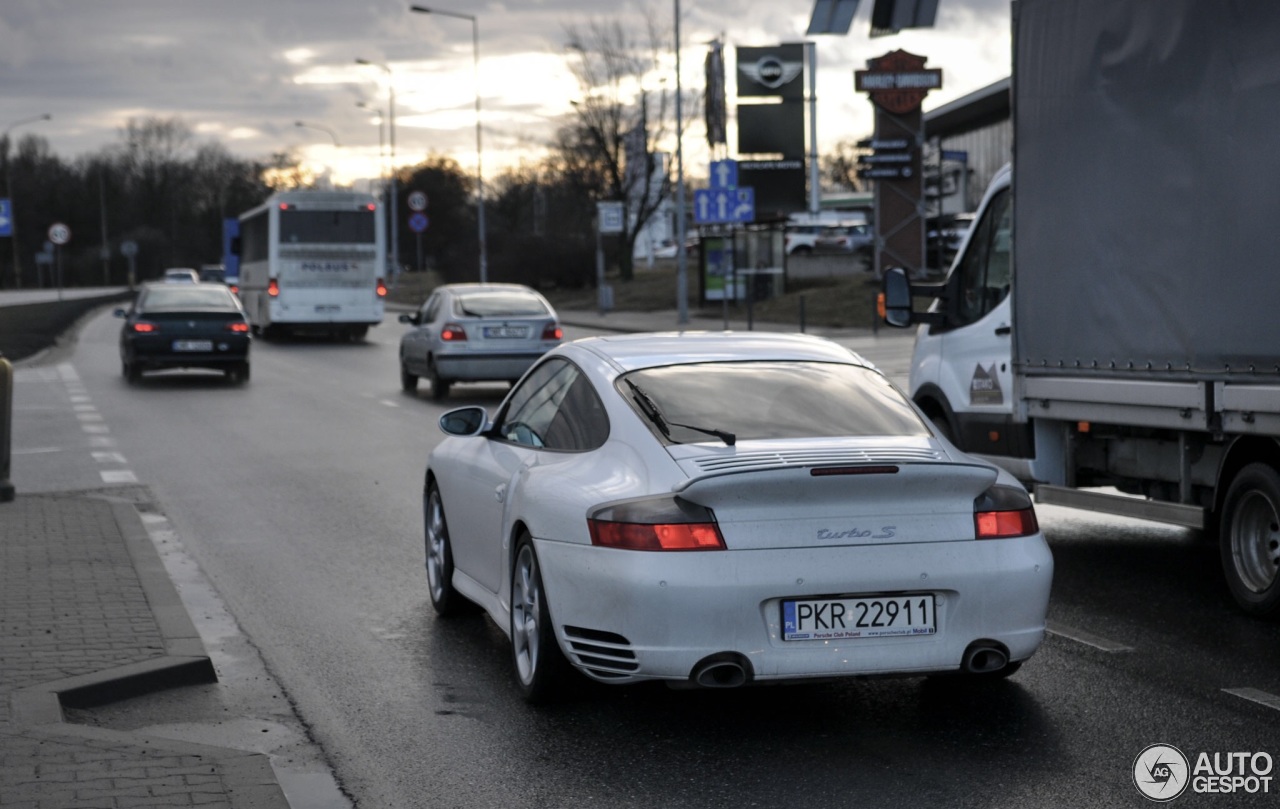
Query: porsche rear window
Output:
(760,400)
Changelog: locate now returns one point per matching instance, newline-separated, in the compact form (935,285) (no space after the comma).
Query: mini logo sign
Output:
(898,81)
(772,72)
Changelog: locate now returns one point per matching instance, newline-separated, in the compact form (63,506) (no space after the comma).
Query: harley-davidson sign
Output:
(898,81)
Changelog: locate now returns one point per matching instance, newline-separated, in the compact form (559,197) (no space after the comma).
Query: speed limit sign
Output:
(59,233)
(418,201)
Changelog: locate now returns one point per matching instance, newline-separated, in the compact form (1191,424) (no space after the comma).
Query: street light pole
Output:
(8,183)
(475,55)
(322,128)
(391,127)
(682,259)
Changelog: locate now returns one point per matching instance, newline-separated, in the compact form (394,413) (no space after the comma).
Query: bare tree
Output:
(840,166)
(621,120)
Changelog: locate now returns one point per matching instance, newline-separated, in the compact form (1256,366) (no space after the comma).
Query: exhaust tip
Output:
(984,657)
(724,670)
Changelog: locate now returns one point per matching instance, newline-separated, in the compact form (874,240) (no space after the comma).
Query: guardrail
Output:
(29,324)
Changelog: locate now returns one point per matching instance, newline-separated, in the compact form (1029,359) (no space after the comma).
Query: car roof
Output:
(482,288)
(630,352)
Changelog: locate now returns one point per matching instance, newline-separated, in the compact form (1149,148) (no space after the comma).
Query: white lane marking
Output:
(84,408)
(1087,638)
(79,399)
(101,441)
(108,457)
(90,416)
(1254,695)
(118,476)
(95,429)
(388,403)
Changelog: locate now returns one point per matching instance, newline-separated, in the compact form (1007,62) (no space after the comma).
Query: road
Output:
(299,498)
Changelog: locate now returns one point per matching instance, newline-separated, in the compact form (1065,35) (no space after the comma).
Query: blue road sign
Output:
(723,205)
(418,222)
(724,174)
(6,218)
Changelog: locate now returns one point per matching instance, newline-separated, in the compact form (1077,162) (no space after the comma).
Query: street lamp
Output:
(322,128)
(395,216)
(8,182)
(475,51)
(382,145)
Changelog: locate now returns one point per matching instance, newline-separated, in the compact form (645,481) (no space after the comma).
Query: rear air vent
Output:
(605,655)
(743,461)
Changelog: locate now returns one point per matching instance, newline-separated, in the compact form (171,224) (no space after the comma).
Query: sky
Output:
(245,72)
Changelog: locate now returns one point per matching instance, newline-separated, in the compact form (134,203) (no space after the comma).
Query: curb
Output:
(38,710)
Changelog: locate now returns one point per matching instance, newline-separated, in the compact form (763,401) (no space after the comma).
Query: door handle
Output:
(1001,331)
(500,493)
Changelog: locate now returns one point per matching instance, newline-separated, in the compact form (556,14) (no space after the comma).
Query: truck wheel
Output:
(1250,539)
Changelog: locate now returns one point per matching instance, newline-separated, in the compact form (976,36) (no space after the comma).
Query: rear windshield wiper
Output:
(651,410)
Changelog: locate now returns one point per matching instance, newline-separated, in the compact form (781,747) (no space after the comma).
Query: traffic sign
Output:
(6,218)
(418,201)
(610,216)
(59,233)
(724,174)
(418,222)
(724,205)
(885,173)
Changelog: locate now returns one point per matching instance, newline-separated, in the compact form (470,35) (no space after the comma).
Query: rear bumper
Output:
(480,367)
(666,612)
(158,352)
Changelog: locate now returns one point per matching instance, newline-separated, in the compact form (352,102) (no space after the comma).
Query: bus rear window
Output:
(327,227)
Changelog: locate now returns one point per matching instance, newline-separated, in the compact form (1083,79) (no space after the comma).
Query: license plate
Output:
(192,345)
(851,618)
(500,332)
(328,307)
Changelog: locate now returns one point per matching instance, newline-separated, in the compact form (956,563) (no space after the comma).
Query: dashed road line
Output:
(1255,695)
(1087,638)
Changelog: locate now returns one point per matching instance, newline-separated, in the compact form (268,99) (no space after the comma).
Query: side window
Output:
(555,407)
(985,271)
(429,309)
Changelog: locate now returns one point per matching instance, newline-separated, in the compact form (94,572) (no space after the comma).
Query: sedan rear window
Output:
(760,400)
(500,304)
(178,298)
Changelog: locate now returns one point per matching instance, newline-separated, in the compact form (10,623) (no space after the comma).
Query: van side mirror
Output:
(895,298)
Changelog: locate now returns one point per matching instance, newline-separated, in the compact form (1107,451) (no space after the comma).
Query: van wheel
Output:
(1250,539)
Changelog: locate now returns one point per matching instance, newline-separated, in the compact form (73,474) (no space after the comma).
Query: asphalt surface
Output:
(89,617)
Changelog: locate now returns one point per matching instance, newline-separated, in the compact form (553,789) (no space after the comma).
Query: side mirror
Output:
(465,421)
(895,298)
(120,313)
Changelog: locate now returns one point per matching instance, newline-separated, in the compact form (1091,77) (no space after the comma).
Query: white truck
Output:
(1109,329)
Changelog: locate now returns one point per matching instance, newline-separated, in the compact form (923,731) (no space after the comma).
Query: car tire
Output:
(439,557)
(238,374)
(439,387)
(132,374)
(541,668)
(1249,540)
(408,381)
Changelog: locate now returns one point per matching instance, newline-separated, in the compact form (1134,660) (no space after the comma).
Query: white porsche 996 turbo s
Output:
(718,510)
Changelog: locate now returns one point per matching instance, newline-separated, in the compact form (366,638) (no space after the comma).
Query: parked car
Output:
(184,325)
(476,332)
(181,275)
(845,239)
(718,510)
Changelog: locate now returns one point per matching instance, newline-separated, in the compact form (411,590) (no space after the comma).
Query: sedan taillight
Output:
(239,327)
(1003,512)
(144,327)
(655,524)
(452,333)
(552,332)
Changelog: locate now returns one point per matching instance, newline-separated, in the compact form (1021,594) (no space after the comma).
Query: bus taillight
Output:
(382,288)
(273,288)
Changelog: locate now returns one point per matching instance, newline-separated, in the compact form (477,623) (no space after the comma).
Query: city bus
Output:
(313,261)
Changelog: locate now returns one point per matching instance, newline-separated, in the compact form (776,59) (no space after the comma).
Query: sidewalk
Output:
(88,615)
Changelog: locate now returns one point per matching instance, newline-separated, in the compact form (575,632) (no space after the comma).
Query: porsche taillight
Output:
(453,333)
(655,524)
(1004,512)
